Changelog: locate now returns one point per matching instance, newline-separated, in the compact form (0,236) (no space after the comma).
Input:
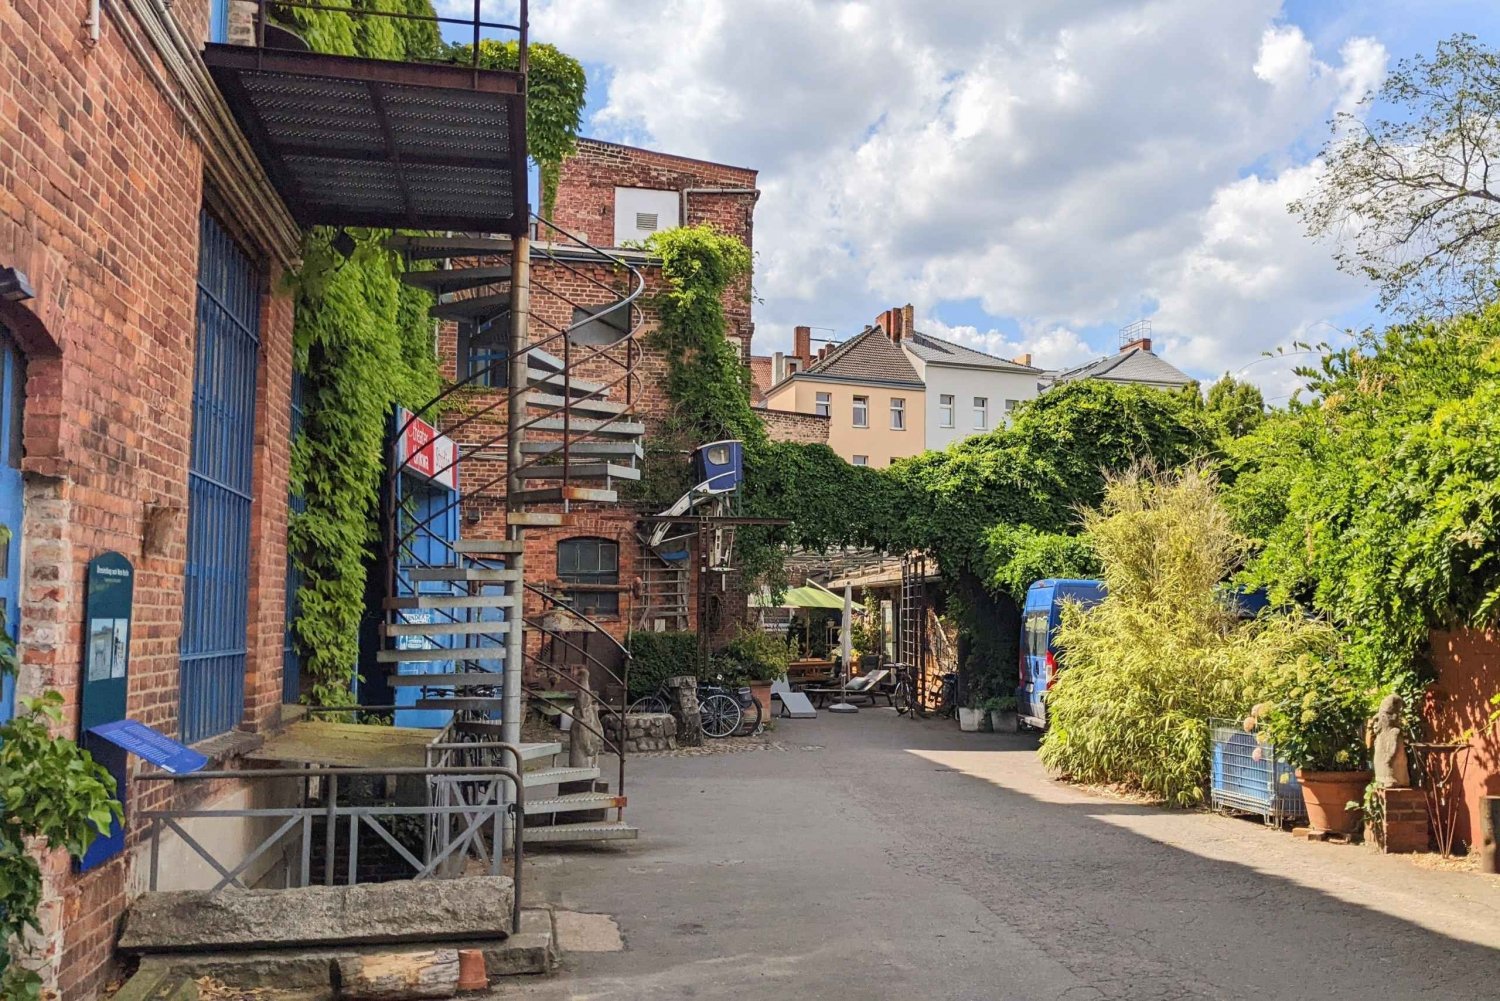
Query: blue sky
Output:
(1031,175)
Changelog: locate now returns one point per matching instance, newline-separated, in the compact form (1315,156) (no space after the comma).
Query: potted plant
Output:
(973,717)
(1314,713)
(757,659)
(1002,713)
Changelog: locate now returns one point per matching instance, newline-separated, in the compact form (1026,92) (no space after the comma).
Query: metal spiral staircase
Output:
(541,424)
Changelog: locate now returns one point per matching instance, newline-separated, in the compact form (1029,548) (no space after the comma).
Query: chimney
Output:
(778,367)
(908,324)
(1024,359)
(1144,343)
(802,344)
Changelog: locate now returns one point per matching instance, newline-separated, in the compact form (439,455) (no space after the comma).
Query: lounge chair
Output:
(794,705)
(866,687)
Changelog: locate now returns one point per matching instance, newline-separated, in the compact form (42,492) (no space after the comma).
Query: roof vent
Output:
(646,222)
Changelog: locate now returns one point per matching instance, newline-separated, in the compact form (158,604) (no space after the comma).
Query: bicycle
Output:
(722,711)
(909,703)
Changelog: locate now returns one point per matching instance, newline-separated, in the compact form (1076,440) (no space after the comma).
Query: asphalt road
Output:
(870,857)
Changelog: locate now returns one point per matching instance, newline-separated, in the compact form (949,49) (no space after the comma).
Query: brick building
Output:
(137,231)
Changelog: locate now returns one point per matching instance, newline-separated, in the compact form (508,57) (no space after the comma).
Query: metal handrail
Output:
(476,22)
(331,811)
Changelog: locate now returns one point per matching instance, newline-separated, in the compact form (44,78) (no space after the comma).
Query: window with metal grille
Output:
(595,564)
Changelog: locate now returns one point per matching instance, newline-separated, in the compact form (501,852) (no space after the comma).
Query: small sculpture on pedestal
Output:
(1389,750)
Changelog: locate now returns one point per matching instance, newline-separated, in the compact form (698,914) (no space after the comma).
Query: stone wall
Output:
(643,731)
(788,425)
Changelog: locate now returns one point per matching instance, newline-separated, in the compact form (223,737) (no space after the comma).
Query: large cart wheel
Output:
(720,715)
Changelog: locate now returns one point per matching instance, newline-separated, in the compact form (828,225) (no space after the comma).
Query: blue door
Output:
(216,591)
(12,388)
(428,513)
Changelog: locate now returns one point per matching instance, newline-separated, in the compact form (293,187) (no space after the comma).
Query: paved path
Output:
(878,858)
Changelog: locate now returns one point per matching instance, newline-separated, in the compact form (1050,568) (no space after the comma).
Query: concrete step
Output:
(582,471)
(537,378)
(450,601)
(441,247)
(573,802)
(475,654)
(584,407)
(552,776)
(539,519)
(614,429)
(557,495)
(488,547)
(472,575)
(612,449)
(479,307)
(448,280)
(443,628)
(543,359)
(616,830)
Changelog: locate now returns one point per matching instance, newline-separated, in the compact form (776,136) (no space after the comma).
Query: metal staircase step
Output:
(552,776)
(557,495)
(488,547)
(479,307)
(473,575)
(619,429)
(548,401)
(537,378)
(613,449)
(476,654)
(539,519)
(463,679)
(444,628)
(492,730)
(541,358)
(573,802)
(440,247)
(450,601)
(616,830)
(463,703)
(445,281)
(582,471)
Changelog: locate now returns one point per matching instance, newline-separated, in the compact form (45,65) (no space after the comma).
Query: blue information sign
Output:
(162,751)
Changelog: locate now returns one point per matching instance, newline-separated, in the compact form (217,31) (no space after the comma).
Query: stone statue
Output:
(1389,742)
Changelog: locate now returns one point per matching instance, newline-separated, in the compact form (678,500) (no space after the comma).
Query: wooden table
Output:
(812,671)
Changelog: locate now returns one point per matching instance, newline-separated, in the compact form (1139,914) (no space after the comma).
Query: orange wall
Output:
(878,441)
(1468,676)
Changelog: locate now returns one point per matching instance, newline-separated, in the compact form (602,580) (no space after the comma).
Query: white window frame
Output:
(898,413)
(823,404)
(945,410)
(861,404)
(861,460)
(981,413)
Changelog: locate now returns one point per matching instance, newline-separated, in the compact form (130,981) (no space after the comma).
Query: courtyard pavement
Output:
(872,857)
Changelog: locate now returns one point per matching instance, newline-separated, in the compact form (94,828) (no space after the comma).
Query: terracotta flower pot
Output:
(1328,795)
(762,692)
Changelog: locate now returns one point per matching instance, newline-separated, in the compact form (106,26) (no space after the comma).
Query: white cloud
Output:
(1061,163)
(1051,346)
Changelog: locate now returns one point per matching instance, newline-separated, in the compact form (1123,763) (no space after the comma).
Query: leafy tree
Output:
(1378,502)
(1411,192)
(1234,408)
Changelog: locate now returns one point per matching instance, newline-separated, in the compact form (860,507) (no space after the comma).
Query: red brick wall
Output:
(788,425)
(100,188)
(1467,662)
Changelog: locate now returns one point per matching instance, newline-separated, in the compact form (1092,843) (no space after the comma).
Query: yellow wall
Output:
(877,441)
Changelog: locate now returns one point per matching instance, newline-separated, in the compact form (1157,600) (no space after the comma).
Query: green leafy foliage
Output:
(1314,713)
(1234,408)
(753,655)
(655,657)
(1379,503)
(52,791)
(1149,665)
(1016,556)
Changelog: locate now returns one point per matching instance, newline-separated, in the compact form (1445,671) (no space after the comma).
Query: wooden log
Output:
(399,975)
(1489,834)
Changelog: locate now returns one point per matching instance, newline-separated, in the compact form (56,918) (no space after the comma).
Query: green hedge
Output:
(655,657)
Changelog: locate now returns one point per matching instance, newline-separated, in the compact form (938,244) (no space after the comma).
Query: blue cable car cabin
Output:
(719,466)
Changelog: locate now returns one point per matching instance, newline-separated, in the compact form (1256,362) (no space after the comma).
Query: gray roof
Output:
(867,357)
(1136,365)
(937,351)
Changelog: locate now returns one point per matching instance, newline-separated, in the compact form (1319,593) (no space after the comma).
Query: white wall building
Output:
(968,391)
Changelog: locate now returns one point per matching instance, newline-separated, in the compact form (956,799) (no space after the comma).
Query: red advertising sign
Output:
(426,453)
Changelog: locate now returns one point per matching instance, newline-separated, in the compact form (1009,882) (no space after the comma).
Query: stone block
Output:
(472,907)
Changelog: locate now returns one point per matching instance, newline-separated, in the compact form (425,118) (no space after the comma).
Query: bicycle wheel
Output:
(649,704)
(720,715)
(901,698)
(751,713)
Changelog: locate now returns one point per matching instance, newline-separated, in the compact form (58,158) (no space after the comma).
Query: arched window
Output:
(594,565)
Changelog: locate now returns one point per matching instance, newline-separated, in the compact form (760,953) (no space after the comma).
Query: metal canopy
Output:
(367,142)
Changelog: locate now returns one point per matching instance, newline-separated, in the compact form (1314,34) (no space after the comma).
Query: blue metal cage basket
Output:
(1250,777)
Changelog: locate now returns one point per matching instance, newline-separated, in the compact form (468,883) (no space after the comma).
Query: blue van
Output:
(1040,616)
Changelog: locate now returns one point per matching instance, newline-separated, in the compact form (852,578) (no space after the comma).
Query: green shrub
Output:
(754,656)
(655,657)
(1150,664)
(1314,713)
